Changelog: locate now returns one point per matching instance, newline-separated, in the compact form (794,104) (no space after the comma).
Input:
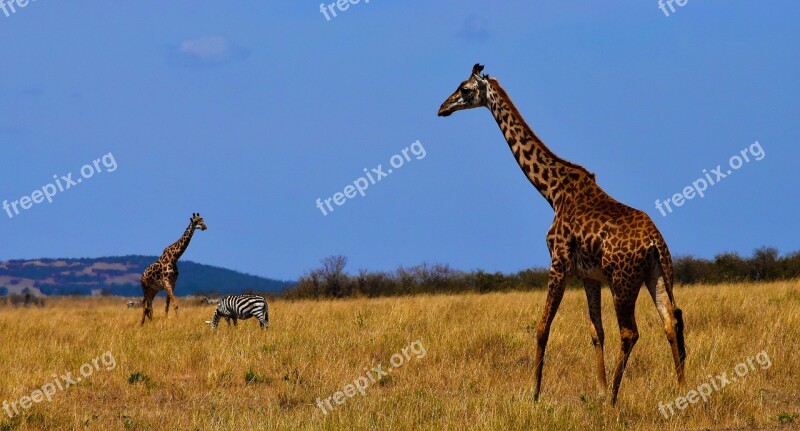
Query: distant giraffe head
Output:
(197,222)
(472,93)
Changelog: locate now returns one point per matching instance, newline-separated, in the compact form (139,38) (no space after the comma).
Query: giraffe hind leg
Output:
(628,331)
(171,298)
(593,295)
(147,304)
(672,319)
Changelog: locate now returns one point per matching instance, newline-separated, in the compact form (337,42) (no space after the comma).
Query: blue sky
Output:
(249,111)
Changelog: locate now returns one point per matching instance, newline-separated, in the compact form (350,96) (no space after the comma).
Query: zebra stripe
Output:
(243,307)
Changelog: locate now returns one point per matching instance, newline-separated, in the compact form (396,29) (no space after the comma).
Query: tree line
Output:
(331,281)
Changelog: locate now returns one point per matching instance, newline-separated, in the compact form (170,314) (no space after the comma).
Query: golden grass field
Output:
(476,372)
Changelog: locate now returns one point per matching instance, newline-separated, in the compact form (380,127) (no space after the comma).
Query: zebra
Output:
(209,301)
(243,307)
(135,303)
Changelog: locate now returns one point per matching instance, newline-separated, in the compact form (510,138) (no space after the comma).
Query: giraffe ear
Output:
(477,69)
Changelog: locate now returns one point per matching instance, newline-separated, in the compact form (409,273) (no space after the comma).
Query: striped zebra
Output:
(243,307)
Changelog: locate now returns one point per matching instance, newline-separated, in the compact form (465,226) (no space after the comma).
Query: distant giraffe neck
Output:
(176,250)
(542,167)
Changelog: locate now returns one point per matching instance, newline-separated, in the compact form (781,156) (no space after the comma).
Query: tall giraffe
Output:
(163,273)
(593,237)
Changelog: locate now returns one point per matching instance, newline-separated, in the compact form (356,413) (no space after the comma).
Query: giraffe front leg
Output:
(593,296)
(555,292)
(171,298)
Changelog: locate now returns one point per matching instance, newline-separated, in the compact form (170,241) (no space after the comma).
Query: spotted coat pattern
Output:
(163,273)
(593,237)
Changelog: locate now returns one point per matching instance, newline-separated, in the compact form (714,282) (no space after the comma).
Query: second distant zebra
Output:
(241,307)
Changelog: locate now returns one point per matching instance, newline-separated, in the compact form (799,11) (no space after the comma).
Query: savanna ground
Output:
(476,371)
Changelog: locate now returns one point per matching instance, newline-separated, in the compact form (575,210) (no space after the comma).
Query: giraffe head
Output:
(197,222)
(470,94)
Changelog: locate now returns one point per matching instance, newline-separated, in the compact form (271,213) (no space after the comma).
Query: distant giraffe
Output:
(163,273)
(593,237)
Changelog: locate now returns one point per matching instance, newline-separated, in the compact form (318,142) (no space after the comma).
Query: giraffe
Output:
(163,273)
(593,237)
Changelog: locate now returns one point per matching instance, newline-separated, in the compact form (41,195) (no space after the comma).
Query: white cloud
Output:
(212,48)
(206,51)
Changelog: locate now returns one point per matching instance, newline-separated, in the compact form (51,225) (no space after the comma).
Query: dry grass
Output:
(476,374)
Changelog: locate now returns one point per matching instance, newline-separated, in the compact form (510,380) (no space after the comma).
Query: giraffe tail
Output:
(679,334)
(665,260)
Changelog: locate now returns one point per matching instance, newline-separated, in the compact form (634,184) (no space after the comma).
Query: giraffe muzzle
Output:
(445,110)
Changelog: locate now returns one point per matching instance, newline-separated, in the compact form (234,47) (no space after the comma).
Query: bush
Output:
(331,280)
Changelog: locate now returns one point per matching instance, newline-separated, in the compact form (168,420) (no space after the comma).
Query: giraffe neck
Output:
(543,168)
(176,250)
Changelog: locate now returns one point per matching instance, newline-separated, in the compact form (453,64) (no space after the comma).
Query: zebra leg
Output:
(215,321)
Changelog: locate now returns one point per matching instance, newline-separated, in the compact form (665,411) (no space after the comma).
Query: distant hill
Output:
(120,276)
